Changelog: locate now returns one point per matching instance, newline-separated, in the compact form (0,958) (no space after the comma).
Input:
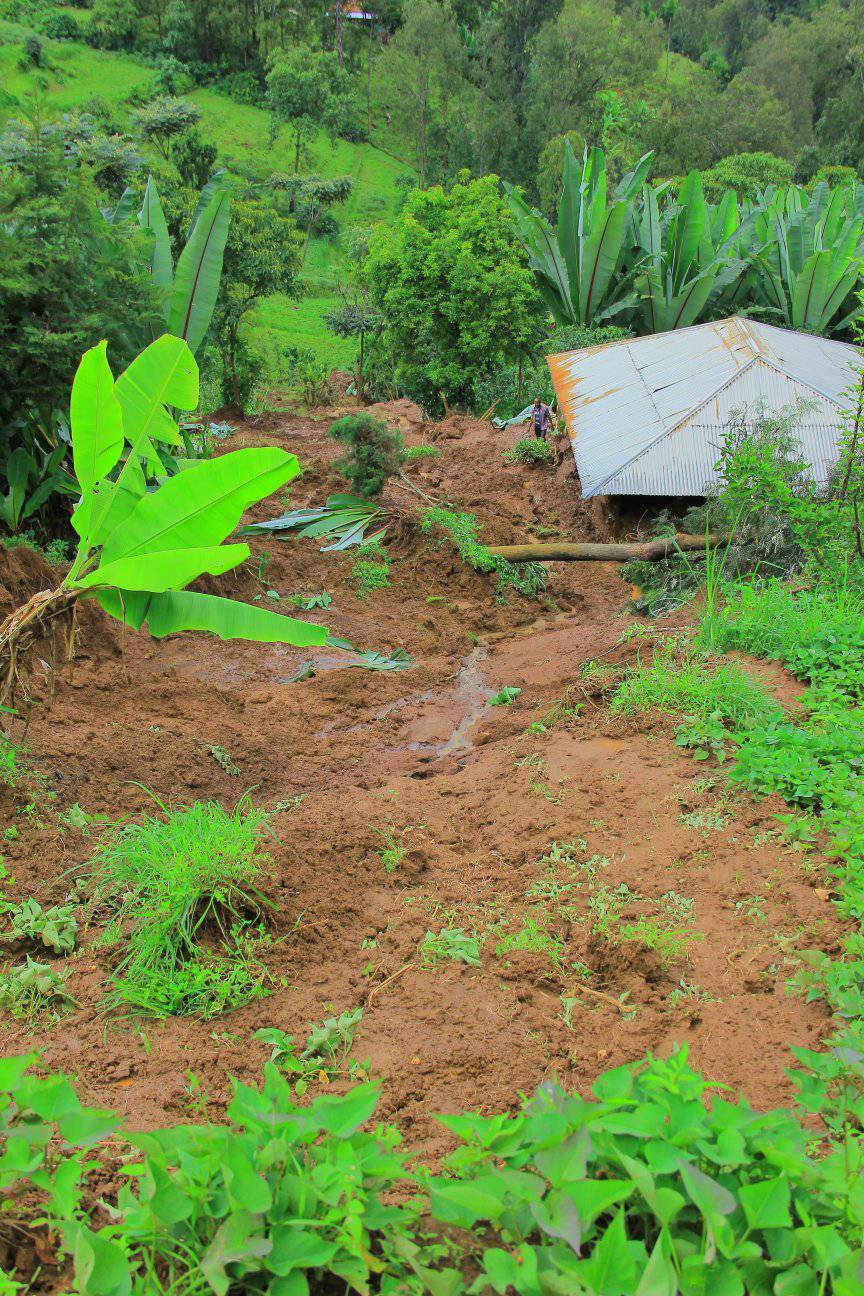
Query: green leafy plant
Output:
(450,943)
(504,697)
(171,881)
(530,450)
(394,849)
(138,549)
(325,1054)
(309,602)
(189,291)
(344,520)
(34,991)
(56,928)
(533,936)
(578,265)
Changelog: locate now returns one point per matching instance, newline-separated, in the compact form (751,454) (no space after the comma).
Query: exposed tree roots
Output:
(48,616)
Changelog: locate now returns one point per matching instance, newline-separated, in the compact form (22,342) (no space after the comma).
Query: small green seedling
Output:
(34,990)
(325,1054)
(505,697)
(310,601)
(56,927)
(451,943)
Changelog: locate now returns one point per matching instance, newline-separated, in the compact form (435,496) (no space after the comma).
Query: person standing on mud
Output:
(542,415)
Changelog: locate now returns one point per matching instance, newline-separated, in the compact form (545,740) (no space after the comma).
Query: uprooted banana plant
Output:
(139,548)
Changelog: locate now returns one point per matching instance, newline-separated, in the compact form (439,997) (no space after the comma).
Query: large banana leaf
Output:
(170,569)
(199,271)
(202,505)
(97,418)
(601,257)
(344,517)
(164,373)
(151,217)
(169,613)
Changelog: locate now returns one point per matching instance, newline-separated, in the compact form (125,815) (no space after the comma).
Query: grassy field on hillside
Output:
(75,72)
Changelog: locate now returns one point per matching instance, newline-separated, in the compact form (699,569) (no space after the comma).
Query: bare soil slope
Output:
(476,798)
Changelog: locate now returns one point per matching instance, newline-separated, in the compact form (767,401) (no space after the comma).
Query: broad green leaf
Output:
(96,419)
(659,1277)
(247,1189)
(298,1248)
(203,505)
(199,271)
(611,1268)
(111,503)
(466,1203)
(237,1239)
(101,1267)
(151,217)
(600,258)
(167,569)
(711,1198)
(165,373)
(12,1069)
(171,612)
(592,1197)
(766,1204)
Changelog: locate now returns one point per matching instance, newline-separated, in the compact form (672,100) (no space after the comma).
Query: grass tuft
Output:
(184,890)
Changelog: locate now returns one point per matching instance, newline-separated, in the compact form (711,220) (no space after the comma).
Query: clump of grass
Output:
(529,450)
(690,684)
(183,888)
(420,452)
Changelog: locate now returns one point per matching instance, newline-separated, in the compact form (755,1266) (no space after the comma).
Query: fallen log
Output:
(566,551)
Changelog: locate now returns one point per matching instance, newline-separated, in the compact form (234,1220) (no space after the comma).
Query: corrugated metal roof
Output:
(647,416)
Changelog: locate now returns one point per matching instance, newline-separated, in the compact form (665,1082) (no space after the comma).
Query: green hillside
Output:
(76,72)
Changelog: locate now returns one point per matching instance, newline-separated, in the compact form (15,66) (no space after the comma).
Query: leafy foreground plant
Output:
(140,548)
(184,895)
(637,1189)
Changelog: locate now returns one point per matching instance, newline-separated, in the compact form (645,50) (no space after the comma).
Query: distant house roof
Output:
(647,416)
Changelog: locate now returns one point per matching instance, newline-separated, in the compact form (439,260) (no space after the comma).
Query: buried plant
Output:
(139,548)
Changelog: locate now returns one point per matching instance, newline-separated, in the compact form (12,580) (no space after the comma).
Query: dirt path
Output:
(475,795)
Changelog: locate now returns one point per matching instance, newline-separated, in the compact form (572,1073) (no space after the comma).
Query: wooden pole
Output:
(567,551)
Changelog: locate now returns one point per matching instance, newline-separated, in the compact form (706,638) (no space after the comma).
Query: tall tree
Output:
(307,91)
(418,70)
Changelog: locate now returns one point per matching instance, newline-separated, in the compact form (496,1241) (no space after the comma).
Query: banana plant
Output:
(687,258)
(139,549)
(581,267)
(190,291)
(810,264)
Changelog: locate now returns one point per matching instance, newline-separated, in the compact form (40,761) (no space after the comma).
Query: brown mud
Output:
(475,797)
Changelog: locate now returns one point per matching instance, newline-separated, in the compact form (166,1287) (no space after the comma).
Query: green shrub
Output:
(171,881)
(462,530)
(529,450)
(374,452)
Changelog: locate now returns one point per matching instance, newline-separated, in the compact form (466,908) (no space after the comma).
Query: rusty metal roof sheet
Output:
(647,416)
